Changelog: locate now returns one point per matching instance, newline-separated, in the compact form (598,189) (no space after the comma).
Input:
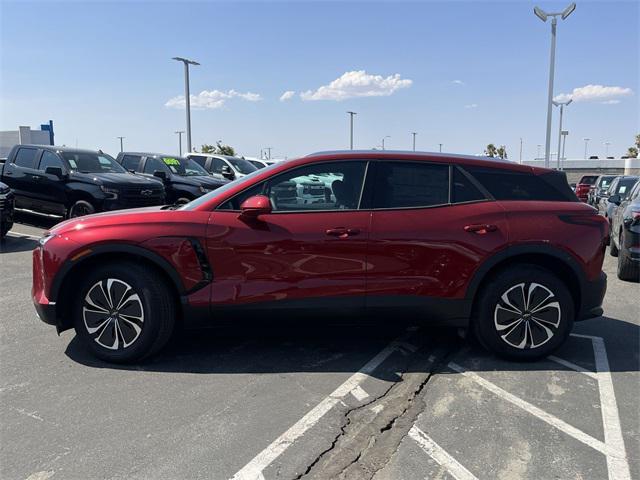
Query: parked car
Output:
(625,234)
(501,248)
(223,166)
(259,162)
(598,188)
(183,178)
(69,182)
(584,186)
(6,209)
(620,186)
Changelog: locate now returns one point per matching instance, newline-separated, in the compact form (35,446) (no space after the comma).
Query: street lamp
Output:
(187,98)
(586,141)
(121,149)
(561,105)
(564,134)
(542,15)
(179,133)
(351,114)
(414,140)
(268,149)
(386,136)
(440,144)
(539,145)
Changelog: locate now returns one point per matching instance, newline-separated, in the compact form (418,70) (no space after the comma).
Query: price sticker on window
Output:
(171,161)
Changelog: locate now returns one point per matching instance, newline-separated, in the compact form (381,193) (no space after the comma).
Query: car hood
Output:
(115,217)
(197,181)
(114,179)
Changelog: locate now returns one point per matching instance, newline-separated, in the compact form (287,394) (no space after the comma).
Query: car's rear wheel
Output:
(124,312)
(613,250)
(523,313)
(627,268)
(80,209)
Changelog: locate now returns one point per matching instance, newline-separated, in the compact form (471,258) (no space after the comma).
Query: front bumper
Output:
(592,297)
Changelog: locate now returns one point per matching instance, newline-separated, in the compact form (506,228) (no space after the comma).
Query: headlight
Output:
(4,190)
(110,193)
(45,238)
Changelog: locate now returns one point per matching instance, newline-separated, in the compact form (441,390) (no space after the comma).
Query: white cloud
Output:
(288,95)
(211,99)
(471,105)
(610,102)
(590,93)
(457,82)
(358,83)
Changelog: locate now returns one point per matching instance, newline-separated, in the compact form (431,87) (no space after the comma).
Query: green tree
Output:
(224,149)
(638,141)
(206,148)
(632,152)
(491,150)
(502,152)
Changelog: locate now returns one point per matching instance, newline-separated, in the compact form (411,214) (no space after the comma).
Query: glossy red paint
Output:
(357,257)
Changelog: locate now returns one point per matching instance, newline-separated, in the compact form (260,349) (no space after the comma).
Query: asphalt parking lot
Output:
(390,401)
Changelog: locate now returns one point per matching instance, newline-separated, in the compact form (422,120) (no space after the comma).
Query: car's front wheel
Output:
(124,312)
(523,313)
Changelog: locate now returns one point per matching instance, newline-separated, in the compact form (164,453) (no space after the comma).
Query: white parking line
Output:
(533,410)
(359,393)
(253,469)
(435,451)
(573,366)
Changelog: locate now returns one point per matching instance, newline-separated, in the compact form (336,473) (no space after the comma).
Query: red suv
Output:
(502,248)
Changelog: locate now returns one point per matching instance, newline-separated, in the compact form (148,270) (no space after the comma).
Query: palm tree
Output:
(502,151)
(491,150)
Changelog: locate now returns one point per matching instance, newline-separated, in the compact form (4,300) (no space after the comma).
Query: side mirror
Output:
(55,171)
(615,199)
(161,175)
(255,206)
(227,172)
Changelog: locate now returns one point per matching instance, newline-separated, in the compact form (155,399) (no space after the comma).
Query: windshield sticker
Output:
(171,161)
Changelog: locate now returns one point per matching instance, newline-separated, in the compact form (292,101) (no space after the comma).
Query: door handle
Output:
(480,229)
(342,232)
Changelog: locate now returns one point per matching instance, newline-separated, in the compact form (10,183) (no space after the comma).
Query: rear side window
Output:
(199,159)
(406,184)
(512,185)
(50,160)
(589,179)
(26,157)
(463,188)
(131,162)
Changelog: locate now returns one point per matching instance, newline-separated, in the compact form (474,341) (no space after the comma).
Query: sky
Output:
(284,74)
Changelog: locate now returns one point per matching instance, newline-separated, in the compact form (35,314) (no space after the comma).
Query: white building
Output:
(24,136)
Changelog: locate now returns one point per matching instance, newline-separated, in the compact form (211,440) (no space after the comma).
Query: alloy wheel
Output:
(113,314)
(527,315)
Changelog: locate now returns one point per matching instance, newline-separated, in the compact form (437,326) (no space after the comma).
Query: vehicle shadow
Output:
(36,221)
(14,244)
(249,347)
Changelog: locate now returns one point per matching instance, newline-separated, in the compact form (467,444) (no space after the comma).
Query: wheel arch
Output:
(65,284)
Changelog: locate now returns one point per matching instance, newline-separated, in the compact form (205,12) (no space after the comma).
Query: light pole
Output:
(520,150)
(606,151)
(561,105)
(121,149)
(268,149)
(564,134)
(187,98)
(542,15)
(586,141)
(414,140)
(440,144)
(386,136)
(351,114)
(179,133)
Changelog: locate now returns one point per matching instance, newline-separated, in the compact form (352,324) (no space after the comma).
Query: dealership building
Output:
(25,136)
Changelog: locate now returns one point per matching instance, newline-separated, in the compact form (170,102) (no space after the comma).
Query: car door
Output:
(303,253)
(21,175)
(53,191)
(131,162)
(431,226)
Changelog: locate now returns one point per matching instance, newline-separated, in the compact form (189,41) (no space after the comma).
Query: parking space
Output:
(315,401)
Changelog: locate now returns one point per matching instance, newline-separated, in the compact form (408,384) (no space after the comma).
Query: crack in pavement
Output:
(369,437)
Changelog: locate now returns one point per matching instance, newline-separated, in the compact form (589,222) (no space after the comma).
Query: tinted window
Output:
(26,157)
(511,185)
(325,186)
(199,159)
(242,165)
(217,164)
(153,164)
(93,163)
(131,162)
(256,164)
(463,188)
(588,179)
(624,186)
(185,167)
(50,159)
(401,185)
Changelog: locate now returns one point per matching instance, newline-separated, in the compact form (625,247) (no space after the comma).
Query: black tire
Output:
(4,228)
(80,209)
(627,269)
(613,250)
(504,332)
(153,311)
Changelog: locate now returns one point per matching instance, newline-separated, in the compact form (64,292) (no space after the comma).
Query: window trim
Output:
(275,212)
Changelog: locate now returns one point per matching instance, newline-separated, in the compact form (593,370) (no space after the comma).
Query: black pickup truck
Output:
(184,180)
(69,182)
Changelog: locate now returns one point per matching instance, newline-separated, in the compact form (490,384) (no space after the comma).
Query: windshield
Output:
(605,182)
(93,163)
(625,185)
(242,165)
(185,167)
(221,190)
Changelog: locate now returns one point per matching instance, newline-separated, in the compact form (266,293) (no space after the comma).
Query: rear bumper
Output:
(592,296)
